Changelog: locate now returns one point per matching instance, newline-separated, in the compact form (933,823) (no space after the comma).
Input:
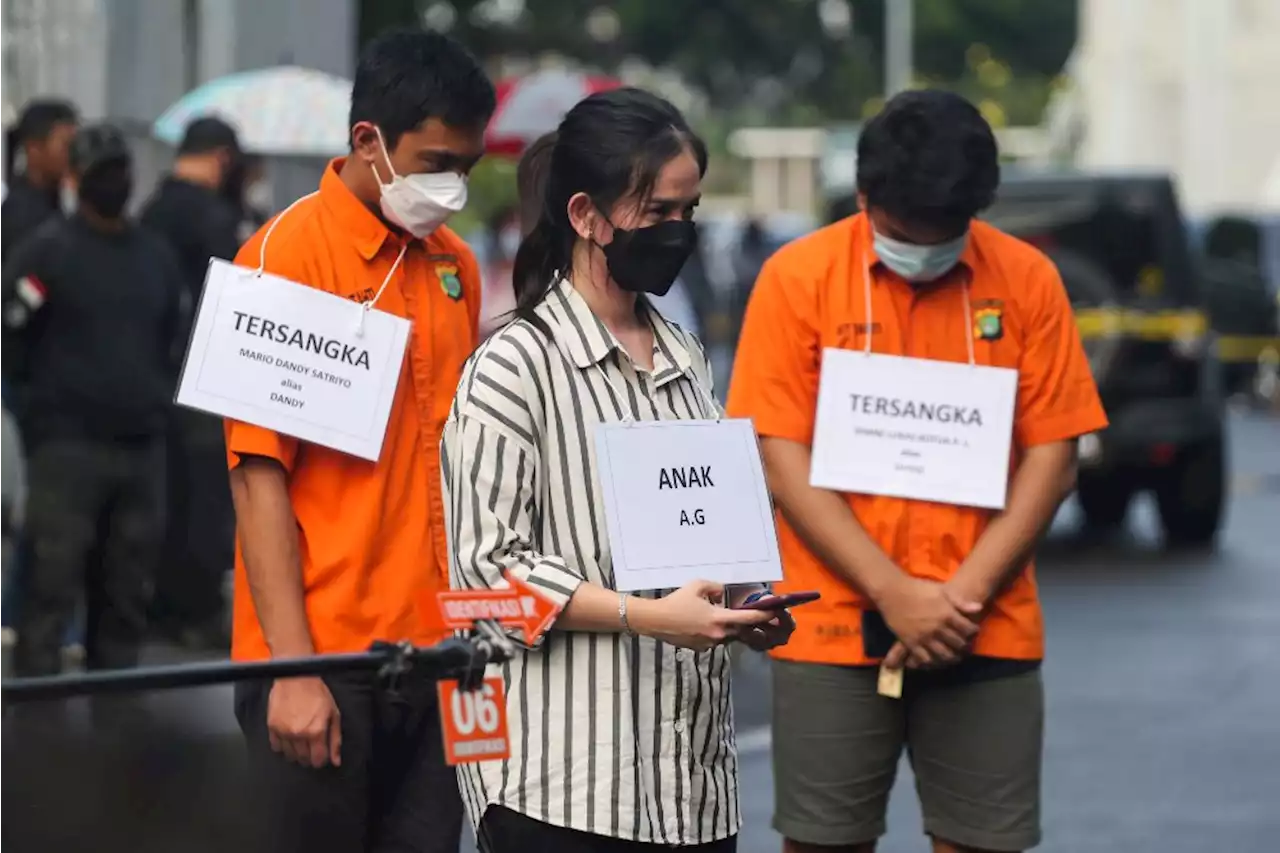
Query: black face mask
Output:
(106,191)
(647,260)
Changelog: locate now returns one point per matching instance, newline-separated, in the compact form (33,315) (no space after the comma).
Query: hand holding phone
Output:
(778,630)
(765,600)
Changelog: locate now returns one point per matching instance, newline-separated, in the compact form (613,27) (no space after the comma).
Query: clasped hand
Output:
(934,622)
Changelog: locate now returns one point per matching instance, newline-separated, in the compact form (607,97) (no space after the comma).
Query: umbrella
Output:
(534,104)
(283,110)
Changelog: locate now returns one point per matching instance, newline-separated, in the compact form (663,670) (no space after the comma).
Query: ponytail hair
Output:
(543,252)
(609,146)
(531,180)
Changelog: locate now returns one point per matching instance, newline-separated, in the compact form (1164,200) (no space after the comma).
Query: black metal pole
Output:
(452,657)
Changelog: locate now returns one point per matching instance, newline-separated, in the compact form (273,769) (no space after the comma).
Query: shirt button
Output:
(679,727)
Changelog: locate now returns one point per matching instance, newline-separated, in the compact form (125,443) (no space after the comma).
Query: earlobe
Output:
(364,141)
(581,217)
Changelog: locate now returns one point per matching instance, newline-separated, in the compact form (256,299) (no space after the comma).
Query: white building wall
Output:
(128,60)
(55,48)
(1187,86)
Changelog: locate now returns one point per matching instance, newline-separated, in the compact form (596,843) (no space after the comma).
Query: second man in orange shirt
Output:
(333,550)
(963,386)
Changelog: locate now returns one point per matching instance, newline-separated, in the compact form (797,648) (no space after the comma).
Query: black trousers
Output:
(199,546)
(505,831)
(393,793)
(95,519)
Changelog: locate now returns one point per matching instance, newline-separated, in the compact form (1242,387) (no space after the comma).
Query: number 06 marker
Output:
(474,723)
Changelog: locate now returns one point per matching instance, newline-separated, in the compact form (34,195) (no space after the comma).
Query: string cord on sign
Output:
(866,295)
(368,304)
(364,307)
(266,238)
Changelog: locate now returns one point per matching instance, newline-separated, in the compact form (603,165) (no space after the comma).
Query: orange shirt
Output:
(371,535)
(810,295)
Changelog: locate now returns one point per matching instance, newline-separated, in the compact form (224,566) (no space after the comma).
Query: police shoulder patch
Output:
(988,324)
(450,283)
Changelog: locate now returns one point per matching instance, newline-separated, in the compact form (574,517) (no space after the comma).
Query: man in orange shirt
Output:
(333,550)
(946,590)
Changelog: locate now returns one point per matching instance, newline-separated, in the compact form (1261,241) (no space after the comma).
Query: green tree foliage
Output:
(776,57)
(1033,37)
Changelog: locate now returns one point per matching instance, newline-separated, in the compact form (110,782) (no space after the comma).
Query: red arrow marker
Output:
(517,606)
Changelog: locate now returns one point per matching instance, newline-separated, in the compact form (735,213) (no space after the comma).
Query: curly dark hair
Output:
(929,158)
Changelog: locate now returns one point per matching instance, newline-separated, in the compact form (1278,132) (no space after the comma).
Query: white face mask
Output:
(919,263)
(420,203)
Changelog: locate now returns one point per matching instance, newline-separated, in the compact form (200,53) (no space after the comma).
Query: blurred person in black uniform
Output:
(193,210)
(747,263)
(193,207)
(34,170)
(41,136)
(95,304)
(249,193)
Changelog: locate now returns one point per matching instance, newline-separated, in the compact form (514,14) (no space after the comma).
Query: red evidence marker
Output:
(474,723)
(516,606)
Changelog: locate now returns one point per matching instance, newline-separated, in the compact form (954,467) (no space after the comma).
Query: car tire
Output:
(1104,500)
(1192,496)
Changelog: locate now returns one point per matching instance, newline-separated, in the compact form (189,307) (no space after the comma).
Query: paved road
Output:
(1164,712)
(1163,681)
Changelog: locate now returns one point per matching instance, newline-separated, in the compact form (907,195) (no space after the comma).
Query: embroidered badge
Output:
(449,281)
(988,324)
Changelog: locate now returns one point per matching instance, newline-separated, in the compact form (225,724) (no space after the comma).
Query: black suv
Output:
(1242,258)
(1137,288)
(1139,291)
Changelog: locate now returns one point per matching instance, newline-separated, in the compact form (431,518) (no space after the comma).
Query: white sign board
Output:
(685,501)
(293,359)
(914,428)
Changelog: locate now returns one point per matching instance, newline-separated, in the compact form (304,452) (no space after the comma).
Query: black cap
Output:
(206,134)
(97,144)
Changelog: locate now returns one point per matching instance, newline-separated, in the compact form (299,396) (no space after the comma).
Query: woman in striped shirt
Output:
(620,722)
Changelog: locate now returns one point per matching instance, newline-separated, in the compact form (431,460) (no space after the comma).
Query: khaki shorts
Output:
(975,748)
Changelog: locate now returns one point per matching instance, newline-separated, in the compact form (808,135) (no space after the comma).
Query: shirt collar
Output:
(589,342)
(671,357)
(367,232)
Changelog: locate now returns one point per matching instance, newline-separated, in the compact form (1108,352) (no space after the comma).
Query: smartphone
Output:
(769,601)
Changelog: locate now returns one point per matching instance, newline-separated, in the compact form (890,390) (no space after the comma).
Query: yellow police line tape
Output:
(1168,326)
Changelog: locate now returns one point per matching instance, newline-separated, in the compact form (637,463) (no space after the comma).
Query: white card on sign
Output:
(914,428)
(685,501)
(290,358)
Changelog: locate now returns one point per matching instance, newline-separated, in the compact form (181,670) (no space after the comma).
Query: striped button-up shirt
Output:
(621,736)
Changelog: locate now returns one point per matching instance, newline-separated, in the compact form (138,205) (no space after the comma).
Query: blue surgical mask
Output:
(919,263)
